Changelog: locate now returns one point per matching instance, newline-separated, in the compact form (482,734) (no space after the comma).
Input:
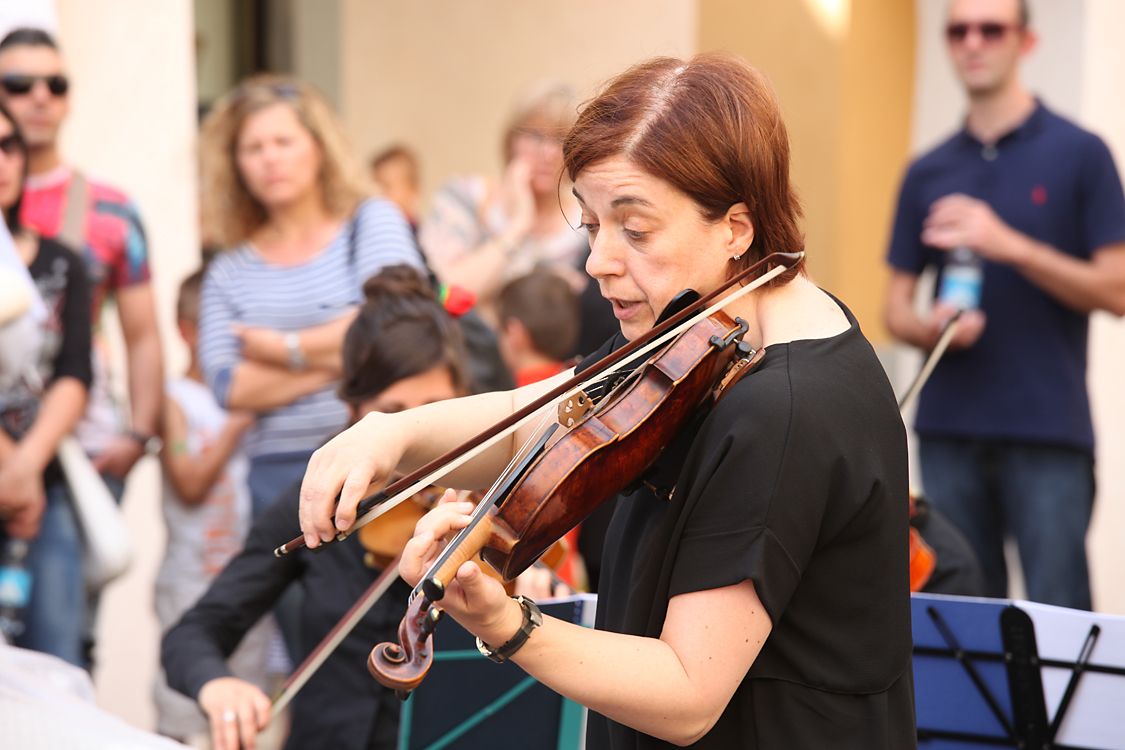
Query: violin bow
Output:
(930,363)
(383,500)
(335,636)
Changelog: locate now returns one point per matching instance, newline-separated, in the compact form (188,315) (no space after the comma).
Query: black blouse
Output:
(797,481)
(60,276)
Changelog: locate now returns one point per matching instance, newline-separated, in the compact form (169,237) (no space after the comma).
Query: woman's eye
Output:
(634,234)
(590,227)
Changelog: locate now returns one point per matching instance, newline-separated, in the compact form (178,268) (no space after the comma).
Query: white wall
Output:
(1079,71)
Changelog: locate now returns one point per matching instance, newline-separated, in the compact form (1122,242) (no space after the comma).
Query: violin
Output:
(923,559)
(609,441)
(385,538)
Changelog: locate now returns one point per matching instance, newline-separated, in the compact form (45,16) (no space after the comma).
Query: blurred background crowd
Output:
(300,147)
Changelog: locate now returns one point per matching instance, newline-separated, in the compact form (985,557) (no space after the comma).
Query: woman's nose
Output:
(601,261)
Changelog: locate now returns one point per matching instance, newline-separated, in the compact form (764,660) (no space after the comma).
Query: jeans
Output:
(1042,495)
(54,616)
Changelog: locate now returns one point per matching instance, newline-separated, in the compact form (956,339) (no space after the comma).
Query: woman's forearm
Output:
(433,430)
(321,347)
(261,387)
(59,412)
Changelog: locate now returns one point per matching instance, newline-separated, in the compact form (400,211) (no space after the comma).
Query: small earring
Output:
(737,256)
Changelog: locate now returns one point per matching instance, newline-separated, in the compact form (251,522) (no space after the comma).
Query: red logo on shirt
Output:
(1039,195)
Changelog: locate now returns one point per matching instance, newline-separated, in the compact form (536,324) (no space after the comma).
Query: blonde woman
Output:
(281,191)
(481,235)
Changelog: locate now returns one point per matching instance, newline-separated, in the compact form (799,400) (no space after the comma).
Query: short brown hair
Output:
(187,303)
(712,128)
(393,152)
(543,302)
(547,104)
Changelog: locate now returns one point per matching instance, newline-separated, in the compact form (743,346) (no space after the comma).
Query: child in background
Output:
(395,172)
(539,319)
(207,510)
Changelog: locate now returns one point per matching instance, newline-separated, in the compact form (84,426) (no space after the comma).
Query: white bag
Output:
(108,547)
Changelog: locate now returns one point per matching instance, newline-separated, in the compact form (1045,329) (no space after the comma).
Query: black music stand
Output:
(994,673)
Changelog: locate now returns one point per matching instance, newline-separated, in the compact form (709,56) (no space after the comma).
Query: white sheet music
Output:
(1096,716)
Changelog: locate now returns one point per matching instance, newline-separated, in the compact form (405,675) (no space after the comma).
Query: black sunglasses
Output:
(18,84)
(12,144)
(990,31)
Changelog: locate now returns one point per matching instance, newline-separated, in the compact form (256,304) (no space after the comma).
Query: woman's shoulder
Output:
(227,264)
(472,188)
(377,207)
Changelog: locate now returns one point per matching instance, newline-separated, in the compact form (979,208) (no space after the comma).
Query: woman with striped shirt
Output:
(281,190)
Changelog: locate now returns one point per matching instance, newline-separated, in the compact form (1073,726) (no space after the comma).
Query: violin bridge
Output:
(574,408)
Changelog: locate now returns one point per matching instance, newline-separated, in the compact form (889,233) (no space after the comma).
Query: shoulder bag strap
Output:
(72,234)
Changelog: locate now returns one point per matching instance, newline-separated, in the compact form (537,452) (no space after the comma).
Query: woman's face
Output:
(277,157)
(430,386)
(12,161)
(536,144)
(649,241)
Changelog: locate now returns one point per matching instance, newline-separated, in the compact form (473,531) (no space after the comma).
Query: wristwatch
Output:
(297,361)
(532,618)
(150,443)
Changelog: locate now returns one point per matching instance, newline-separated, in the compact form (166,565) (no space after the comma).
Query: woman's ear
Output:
(741,227)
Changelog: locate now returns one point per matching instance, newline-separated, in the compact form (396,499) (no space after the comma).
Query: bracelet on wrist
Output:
(297,361)
(151,444)
(532,618)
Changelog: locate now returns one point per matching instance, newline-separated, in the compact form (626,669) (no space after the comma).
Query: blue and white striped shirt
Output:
(242,287)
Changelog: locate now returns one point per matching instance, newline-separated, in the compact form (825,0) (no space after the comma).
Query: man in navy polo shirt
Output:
(1006,443)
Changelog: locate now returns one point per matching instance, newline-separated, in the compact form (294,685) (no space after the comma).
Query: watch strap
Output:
(532,618)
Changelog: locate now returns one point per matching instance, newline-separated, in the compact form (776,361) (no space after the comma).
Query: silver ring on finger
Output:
(229,716)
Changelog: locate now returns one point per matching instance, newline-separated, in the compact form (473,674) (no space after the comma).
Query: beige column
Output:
(843,73)
(441,75)
(132,123)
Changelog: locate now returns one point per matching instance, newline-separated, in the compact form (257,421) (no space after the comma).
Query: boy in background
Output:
(206,507)
(395,172)
(539,319)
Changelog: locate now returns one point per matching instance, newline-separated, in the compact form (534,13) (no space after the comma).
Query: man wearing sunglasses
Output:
(1005,436)
(101,223)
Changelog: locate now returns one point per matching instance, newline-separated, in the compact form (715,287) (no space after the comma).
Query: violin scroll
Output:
(404,665)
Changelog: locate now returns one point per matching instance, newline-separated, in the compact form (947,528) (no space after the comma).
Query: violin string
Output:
(486,502)
(464,458)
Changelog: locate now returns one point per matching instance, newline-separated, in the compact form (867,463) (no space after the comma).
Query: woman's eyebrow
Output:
(625,200)
(629,200)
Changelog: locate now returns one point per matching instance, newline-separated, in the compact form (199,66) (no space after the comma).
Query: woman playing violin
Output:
(762,599)
(402,351)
